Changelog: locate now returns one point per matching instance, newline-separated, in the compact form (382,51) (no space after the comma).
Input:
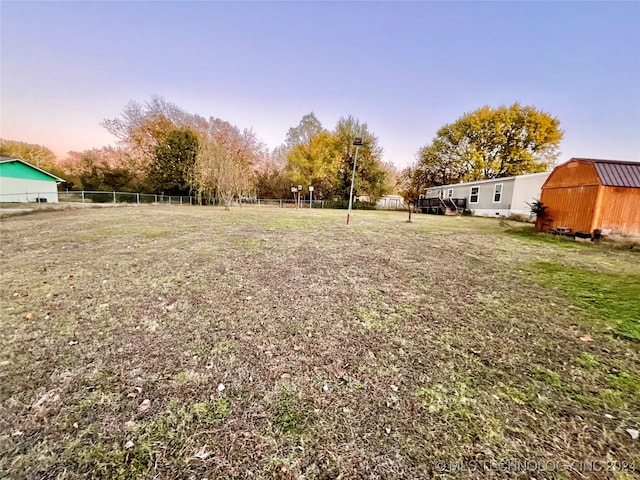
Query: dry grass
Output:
(369,351)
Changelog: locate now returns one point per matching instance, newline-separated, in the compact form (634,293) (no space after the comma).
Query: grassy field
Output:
(193,342)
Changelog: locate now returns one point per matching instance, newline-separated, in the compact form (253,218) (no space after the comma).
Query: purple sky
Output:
(404,68)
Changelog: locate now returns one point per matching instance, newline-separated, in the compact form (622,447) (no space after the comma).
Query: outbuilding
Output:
(590,196)
(390,202)
(22,182)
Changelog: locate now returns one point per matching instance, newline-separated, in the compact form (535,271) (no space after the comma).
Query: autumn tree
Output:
(142,127)
(302,134)
(270,179)
(370,175)
(325,159)
(37,155)
(315,163)
(409,184)
(102,169)
(170,169)
(443,161)
(493,143)
(149,131)
(218,173)
(243,145)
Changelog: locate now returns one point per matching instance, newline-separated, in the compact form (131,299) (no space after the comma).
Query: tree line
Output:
(163,149)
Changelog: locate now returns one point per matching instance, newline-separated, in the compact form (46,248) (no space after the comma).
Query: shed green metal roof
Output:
(18,168)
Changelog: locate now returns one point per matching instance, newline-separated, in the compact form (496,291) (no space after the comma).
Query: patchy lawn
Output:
(191,342)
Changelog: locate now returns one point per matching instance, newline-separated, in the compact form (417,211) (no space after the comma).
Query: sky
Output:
(404,68)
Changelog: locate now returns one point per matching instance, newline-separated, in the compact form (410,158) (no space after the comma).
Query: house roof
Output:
(616,173)
(19,160)
(490,180)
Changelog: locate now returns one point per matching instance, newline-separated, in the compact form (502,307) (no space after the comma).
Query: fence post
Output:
(82,196)
(169,199)
(114,196)
(180,199)
(156,198)
(280,203)
(138,198)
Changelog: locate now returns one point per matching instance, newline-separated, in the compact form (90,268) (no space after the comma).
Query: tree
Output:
(218,173)
(147,132)
(142,127)
(315,163)
(308,127)
(37,155)
(270,179)
(271,182)
(442,163)
(173,160)
(243,145)
(102,169)
(370,175)
(410,184)
(493,143)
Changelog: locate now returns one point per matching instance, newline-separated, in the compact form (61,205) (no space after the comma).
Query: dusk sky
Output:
(405,69)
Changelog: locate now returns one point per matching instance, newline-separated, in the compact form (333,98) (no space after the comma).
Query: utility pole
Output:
(357,141)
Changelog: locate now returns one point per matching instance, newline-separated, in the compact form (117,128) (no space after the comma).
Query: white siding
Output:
(516,192)
(22,190)
(527,189)
(490,212)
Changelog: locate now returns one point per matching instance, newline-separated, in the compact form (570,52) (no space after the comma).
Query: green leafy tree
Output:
(174,157)
(371,175)
(315,163)
(271,182)
(493,143)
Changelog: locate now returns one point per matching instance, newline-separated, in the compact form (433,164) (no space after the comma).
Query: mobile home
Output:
(498,197)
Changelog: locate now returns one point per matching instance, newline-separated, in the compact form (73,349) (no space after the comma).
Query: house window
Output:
(450,193)
(475,195)
(497,193)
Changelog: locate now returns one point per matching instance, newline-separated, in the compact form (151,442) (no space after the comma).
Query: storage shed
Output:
(584,195)
(22,182)
(391,202)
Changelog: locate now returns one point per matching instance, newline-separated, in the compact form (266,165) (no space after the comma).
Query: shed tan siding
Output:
(577,199)
(620,211)
(570,207)
(573,174)
(570,194)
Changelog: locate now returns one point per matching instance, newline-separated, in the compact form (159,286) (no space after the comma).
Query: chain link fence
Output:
(88,197)
(96,197)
